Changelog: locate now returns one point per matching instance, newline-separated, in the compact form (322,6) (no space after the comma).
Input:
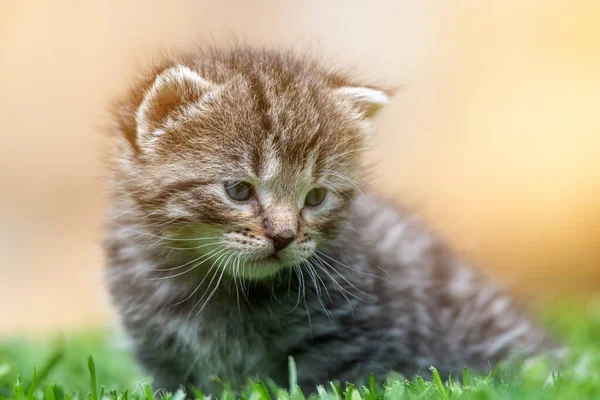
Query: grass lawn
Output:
(63,369)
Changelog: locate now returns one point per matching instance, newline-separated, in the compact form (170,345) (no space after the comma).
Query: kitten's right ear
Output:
(171,89)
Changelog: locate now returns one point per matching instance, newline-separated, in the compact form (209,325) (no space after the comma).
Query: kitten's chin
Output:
(263,269)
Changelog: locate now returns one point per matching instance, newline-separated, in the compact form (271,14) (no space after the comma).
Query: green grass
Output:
(87,366)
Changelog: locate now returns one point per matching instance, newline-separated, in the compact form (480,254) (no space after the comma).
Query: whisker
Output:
(353,183)
(243,282)
(297,271)
(201,282)
(224,254)
(316,280)
(348,152)
(237,290)
(191,248)
(213,292)
(354,269)
(346,280)
(342,290)
(305,303)
(347,179)
(336,189)
(172,239)
(174,268)
(181,273)
(310,274)
(320,279)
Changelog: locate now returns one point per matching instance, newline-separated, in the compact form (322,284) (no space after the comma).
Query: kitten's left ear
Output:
(367,101)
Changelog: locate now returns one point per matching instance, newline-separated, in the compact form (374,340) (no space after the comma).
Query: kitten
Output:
(239,236)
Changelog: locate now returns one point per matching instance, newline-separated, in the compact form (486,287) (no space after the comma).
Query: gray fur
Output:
(363,288)
(407,303)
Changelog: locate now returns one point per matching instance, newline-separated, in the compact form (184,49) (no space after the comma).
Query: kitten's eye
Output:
(315,197)
(239,191)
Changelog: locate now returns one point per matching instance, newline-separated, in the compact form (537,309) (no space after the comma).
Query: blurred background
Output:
(495,139)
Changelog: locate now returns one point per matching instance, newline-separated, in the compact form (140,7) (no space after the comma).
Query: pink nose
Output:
(282,239)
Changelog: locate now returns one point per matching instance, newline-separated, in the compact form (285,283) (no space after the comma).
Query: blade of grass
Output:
(32,386)
(438,382)
(261,389)
(50,363)
(336,390)
(198,395)
(293,375)
(373,386)
(49,393)
(421,383)
(18,390)
(92,369)
(148,392)
(179,395)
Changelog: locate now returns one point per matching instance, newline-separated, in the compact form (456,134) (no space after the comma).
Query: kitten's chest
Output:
(236,347)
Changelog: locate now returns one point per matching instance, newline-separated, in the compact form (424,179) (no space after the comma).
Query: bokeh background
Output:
(495,138)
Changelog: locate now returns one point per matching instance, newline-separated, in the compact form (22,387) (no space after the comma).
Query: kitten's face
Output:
(254,173)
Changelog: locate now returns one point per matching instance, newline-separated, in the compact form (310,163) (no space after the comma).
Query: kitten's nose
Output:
(279,224)
(282,239)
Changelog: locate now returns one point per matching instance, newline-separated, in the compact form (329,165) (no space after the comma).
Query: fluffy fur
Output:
(361,288)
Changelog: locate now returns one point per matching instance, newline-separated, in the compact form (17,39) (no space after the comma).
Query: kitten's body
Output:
(376,292)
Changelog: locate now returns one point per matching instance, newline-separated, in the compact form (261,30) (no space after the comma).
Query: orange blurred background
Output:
(495,139)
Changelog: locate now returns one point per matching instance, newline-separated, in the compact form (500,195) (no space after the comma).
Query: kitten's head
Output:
(248,158)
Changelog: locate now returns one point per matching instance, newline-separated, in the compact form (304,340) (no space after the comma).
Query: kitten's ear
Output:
(367,101)
(171,89)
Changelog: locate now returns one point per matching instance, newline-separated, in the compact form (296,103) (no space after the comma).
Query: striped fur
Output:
(363,288)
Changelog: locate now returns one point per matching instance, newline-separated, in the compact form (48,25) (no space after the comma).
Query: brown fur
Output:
(194,275)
